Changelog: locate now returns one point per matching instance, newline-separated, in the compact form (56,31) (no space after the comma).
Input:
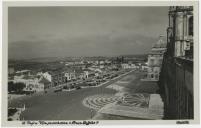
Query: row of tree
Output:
(15,87)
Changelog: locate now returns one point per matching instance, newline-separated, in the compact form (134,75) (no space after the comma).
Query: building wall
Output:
(155,59)
(176,77)
(70,76)
(47,76)
(34,87)
(128,66)
(176,88)
(183,30)
(58,79)
(154,66)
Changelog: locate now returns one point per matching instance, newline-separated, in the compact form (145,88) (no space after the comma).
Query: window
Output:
(190,26)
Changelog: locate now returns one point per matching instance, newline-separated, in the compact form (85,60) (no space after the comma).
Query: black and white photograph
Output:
(96,63)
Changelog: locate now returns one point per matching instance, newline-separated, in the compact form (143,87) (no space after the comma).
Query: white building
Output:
(101,62)
(128,66)
(155,59)
(101,66)
(47,76)
(70,76)
(43,84)
(144,67)
(83,75)
(33,83)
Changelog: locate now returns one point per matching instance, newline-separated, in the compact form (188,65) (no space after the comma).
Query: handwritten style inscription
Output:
(60,123)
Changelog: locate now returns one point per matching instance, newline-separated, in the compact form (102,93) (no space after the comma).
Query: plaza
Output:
(79,104)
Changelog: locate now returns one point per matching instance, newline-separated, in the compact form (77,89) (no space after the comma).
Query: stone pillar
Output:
(185,26)
(177,48)
(179,26)
(180,30)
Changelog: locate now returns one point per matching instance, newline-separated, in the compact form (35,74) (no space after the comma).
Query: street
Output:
(60,106)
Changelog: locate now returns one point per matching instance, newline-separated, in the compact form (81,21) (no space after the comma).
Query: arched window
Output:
(190,26)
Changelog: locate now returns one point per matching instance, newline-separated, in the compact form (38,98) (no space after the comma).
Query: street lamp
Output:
(91,112)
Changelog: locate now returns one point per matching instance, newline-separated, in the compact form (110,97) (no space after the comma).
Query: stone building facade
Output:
(176,77)
(155,59)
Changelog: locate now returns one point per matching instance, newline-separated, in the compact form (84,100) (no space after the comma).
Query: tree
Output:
(10,86)
(19,87)
(15,87)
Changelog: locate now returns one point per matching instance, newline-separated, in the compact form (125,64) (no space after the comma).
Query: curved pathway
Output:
(98,101)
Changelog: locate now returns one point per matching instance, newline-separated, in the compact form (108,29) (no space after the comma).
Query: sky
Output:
(35,32)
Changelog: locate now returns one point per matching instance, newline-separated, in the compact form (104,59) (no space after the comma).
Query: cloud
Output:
(93,46)
(77,31)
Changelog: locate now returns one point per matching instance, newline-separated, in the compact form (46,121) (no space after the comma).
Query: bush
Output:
(65,87)
(10,87)
(12,111)
(72,86)
(16,87)
(10,119)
